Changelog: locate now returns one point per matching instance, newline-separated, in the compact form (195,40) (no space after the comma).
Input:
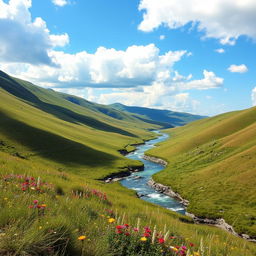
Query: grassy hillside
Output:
(212,164)
(52,154)
(170,118)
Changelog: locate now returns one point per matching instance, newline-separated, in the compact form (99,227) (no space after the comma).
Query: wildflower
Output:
(136,229)
(127,233)
(35,202)
(175,249)
(43,205)
(196,254)
(119,227)
(184,248)
(81,238)
(143,239)
(126,225)
(160,240)
(146,234)
(191,244)
(111,220)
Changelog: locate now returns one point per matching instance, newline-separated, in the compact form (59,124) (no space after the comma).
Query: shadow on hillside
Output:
(13,87)
(52,146)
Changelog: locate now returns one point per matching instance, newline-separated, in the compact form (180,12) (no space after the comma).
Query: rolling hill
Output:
(54,151)
(165,116)
(212,163)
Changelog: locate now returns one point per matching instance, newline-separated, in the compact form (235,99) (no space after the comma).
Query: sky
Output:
(196,56)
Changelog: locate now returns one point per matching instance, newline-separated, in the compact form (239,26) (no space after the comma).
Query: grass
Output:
(67,157)
(212,164)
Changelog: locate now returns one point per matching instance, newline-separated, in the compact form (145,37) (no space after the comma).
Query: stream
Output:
(138,181)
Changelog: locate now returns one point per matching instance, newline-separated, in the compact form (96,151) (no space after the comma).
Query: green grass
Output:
(69,156)
(212,164)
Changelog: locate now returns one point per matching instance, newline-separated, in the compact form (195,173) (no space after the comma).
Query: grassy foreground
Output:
(212,164)
(52,154)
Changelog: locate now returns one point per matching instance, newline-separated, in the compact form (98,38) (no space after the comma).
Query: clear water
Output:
(138,181)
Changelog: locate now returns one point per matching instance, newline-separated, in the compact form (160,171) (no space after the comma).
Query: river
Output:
(138,181)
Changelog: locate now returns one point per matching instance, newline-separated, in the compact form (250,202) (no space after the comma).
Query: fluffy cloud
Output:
(109,68)
(238,68)
(23,39)
(60,2)
(172,95)
(209,81)
(254,96)
(225,20)
(220,50)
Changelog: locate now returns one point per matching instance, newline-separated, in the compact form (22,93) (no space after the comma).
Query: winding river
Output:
(138,181)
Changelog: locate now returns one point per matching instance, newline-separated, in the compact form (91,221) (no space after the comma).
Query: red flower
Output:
(35,202)
(126,225)
(146,234)
(191,244)
(127,233)
(136,229)
(160,240)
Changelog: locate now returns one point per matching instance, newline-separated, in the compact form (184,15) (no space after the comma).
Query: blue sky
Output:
(183,55)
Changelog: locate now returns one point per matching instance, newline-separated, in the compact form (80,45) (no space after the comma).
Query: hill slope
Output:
(212,163)
(165,116)
(52,153)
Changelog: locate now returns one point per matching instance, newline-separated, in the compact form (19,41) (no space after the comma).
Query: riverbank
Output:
(220,223)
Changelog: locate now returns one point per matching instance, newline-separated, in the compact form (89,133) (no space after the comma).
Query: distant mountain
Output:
(163,116)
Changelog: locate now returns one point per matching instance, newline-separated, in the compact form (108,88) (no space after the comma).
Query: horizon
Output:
(197,60)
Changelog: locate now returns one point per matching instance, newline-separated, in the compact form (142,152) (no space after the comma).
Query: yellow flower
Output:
(111,220)
(81,238)
(143,239)
(43,205)
(196,254)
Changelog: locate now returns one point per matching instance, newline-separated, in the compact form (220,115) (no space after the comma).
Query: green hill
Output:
(168,117)
(212,164)
(54,151)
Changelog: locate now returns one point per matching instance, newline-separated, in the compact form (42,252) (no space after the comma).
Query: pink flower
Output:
(35,201)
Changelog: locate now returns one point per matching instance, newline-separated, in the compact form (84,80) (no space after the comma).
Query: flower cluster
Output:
(40,207)
(27,183)
(146,239)
(86,192)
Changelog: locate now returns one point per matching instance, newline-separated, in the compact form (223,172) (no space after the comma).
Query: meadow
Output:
(212,164)
(53,155)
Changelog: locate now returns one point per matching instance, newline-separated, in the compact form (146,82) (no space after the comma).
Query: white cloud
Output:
(220,50)
(23,39)
(162,37)
(60,2)
(254,96)
(225,20)
(238,68)
(136,66)
(210,81)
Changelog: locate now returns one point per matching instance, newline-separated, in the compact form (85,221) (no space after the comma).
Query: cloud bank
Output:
(225,20)
(23,39)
